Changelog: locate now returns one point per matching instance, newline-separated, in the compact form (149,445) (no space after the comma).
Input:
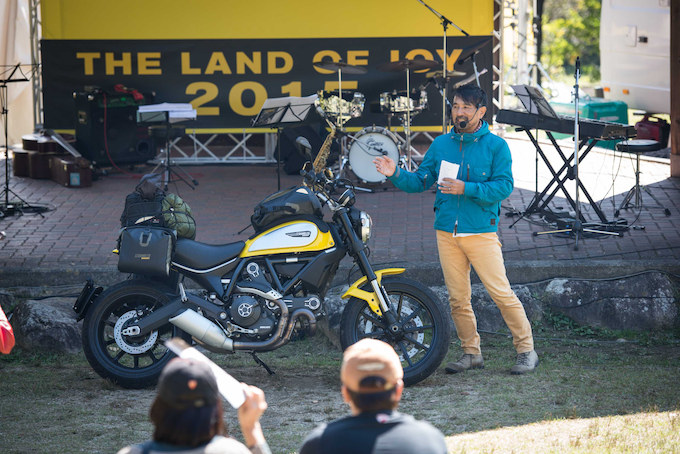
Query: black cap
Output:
(187,383)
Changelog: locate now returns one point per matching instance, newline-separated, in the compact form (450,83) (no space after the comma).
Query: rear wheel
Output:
(422,332)
(130,361)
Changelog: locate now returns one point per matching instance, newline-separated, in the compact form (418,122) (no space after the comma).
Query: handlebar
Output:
(324,186)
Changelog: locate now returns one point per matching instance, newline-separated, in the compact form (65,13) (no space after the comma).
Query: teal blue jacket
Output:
(485,167)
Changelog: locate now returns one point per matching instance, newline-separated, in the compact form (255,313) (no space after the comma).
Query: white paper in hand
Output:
(448,170)
(227,385)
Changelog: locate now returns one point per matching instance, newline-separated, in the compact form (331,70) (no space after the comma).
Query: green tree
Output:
(571,28)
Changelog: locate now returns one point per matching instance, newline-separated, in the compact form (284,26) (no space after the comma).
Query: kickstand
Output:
(261,363)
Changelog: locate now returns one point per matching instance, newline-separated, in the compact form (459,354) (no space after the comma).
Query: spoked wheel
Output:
(420,335)
(128,360)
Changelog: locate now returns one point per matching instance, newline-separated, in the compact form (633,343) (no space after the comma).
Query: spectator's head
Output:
(371,376)
(187,410)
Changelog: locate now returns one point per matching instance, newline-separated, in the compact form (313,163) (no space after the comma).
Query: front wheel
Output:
(130,361)
(423,334)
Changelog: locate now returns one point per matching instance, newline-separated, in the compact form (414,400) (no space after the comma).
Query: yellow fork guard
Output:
(370,297)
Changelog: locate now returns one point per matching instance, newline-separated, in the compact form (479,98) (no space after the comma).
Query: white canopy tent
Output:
(16,48)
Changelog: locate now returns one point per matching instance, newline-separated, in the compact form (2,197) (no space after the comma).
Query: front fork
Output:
(378,299)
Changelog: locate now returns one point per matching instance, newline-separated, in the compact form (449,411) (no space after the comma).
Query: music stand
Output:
(163,116)
(281,112)
(7,208)
(534,101)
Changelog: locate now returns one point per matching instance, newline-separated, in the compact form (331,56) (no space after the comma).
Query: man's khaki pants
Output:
(483,252)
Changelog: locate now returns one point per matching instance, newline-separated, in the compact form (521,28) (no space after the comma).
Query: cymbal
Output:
(341,65)
(401,65)
(440,73)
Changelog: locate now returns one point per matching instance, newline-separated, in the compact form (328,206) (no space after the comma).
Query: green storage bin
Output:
(596,109)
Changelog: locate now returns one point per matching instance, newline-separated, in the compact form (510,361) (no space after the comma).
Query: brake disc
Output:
(125,342)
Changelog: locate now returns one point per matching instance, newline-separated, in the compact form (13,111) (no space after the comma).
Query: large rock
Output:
(334,304)
(644,302)
(48,325)
(488,315)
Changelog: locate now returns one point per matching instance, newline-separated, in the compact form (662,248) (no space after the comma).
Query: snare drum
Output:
(399,103)
(368,144)
(350,106)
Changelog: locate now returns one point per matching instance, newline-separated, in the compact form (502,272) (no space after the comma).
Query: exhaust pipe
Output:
(202,329)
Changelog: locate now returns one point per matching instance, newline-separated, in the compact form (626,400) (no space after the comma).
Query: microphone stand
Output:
(577,228)
(445,24)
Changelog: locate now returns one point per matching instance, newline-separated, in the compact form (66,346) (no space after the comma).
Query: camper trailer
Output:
(635,38)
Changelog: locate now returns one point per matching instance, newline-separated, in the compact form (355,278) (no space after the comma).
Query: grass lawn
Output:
(588,395)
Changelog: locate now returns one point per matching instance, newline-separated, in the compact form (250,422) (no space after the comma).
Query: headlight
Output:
(366,225)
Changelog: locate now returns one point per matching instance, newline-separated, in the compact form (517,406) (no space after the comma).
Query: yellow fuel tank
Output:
(289,237)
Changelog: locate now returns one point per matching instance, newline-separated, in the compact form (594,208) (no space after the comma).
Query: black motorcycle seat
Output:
(201,256)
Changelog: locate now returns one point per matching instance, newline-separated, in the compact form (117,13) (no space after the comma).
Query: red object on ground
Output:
(6,334)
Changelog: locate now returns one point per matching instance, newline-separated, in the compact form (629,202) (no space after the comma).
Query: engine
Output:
(248,311)
(255,312)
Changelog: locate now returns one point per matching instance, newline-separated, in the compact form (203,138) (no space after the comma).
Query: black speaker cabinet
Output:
(107,132)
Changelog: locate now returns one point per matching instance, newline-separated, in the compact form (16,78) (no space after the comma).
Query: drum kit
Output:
(341,106)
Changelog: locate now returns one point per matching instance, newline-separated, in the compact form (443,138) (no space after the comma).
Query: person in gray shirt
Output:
(372,385)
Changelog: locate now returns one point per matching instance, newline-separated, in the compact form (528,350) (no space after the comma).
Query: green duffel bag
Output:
(177,216)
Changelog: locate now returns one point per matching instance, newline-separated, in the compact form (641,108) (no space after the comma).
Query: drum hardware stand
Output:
(407,65)
(445,24)
(577,227)
(469,79)
(7,208)
(407,123)
(442,92)
(341,119)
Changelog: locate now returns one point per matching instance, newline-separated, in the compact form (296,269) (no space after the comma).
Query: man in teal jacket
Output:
(476,175)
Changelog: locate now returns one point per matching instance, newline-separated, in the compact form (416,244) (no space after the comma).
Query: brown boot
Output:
(467,361)
(526,362)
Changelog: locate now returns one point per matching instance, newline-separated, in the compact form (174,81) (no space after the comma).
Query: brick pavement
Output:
(79,231)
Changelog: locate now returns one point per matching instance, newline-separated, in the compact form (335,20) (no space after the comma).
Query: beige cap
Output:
(370,358)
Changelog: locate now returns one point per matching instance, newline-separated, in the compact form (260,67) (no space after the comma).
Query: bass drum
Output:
(368,144)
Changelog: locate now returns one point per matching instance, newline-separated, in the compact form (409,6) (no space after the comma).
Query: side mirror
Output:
(302,145)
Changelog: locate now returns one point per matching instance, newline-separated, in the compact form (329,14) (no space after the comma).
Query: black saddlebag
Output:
(146,250)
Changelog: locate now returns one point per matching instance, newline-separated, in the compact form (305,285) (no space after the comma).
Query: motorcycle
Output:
(259,294)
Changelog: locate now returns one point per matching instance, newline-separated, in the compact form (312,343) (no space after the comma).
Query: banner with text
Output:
(227,81)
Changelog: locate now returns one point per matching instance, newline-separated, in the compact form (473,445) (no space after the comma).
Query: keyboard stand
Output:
(540,202)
